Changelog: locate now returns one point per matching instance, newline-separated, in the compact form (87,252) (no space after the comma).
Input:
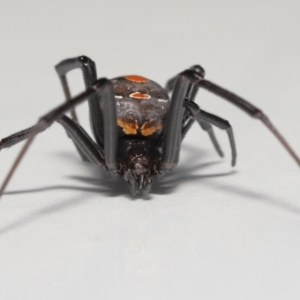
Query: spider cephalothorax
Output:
(138,160)
(137,128)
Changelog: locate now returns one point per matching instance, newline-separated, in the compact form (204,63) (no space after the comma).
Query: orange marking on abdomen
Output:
(138,95)
(150,127)
(128,126)
(136,78)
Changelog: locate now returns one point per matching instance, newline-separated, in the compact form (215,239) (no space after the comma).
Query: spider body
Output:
(141,106)
(138,129)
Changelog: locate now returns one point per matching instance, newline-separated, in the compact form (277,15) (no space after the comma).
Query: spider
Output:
(138,128)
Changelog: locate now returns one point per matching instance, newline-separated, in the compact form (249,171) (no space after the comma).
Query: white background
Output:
(207,231)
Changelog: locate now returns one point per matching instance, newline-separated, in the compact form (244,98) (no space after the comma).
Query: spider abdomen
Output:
(141,106)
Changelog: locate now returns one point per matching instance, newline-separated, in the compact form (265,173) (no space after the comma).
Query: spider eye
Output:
(138,168)
(139,164)
(140,159)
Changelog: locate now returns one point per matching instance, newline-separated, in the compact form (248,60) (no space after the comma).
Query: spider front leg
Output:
(102,88)
(172,135)
(196,77)
(174,131)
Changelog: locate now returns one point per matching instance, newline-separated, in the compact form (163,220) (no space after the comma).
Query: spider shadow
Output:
(105,185)
(110,187)
(166,185)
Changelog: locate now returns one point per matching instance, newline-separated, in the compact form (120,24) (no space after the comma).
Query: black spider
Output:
(138,129)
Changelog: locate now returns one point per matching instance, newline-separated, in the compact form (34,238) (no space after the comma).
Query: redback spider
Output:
(137,128)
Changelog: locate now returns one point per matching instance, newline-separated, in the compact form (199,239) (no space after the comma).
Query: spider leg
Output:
(90,150)
(196,77)
(89,73)
(208,128)
(187,123)
(15,138)
(188,119)
(171,82)
(250,109)
(102,88)
(185,90)
(202,115)
(173,127)
(88,68)
(24,134)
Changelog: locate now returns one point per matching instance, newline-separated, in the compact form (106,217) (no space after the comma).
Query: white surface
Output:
(207,231)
